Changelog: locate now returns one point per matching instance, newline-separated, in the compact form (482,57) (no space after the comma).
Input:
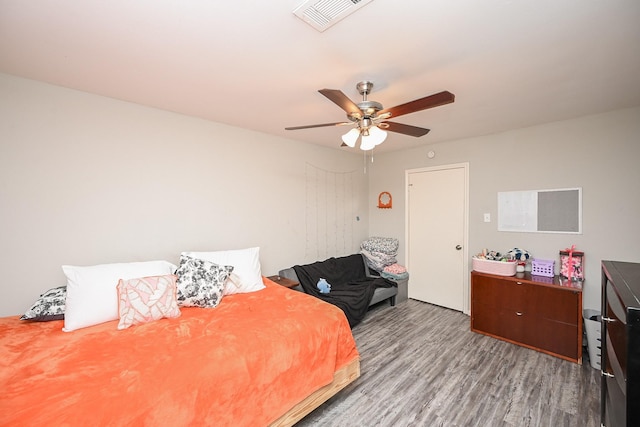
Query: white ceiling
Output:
(253,64)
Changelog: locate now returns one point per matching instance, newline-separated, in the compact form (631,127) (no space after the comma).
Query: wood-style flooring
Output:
(422,366)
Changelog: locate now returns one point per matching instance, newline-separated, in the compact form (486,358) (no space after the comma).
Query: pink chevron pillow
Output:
(147,299)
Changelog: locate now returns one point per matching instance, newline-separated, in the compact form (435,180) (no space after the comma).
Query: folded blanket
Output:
(399,276)
(383,245)
(395,269)
(351,289)
(378,260)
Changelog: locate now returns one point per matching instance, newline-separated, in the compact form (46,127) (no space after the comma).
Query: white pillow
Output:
(92,295)
(246,268)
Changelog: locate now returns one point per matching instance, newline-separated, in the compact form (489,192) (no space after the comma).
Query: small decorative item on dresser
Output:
(500,268)
(521,257)
(572,264)
(542,267)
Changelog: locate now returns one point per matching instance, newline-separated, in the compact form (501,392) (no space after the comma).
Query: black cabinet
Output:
(620,344)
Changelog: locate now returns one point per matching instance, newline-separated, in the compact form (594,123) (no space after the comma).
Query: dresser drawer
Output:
(503,323)
(615,411)
(526,328)
(559,305)
(499,293)
(555,337)
(616,333)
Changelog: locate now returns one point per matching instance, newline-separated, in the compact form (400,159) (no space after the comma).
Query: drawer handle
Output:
(518,313)
(607,374)
(608,319)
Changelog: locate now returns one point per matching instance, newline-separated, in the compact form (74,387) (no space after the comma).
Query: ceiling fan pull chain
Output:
(364,161)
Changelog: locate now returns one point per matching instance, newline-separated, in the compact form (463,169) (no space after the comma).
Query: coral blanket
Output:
(243,363)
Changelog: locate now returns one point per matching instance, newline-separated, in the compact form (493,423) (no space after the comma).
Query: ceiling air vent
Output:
(321,14)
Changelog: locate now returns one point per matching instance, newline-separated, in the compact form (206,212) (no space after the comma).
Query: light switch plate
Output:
(487,217)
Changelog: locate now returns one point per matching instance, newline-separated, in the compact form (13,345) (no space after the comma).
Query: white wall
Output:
(599,153)
(87,180)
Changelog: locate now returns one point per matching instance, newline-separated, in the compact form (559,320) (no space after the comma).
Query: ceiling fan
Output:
(371,119)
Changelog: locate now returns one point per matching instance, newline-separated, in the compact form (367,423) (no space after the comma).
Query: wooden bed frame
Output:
(341,378)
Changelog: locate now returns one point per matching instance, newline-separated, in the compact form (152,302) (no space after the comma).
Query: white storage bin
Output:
(500,268)
(594,342)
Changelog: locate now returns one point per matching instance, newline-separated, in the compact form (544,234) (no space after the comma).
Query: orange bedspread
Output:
(244,363)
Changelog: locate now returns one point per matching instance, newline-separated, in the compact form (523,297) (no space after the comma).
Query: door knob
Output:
(458,247)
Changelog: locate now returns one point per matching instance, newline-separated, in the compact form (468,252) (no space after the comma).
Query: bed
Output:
(261,358)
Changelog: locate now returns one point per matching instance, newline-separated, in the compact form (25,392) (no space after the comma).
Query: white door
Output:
(436,234)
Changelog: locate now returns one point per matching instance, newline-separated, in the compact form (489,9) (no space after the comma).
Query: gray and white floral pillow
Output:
(200,283)
(49,306)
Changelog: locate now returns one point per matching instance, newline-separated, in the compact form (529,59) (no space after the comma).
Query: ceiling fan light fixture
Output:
(367,143)
(351,137)
(377,134)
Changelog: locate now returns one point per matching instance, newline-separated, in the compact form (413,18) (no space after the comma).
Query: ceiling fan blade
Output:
(341,100)
(405,129)
(318,126)
(430,101)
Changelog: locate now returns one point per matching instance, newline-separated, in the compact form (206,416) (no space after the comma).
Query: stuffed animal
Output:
(519,255)
(492,255)
(324,286)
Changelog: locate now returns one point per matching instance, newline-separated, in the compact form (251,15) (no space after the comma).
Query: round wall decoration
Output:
(384,200)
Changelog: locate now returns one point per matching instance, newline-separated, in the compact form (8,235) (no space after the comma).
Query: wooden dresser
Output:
(620,387)
(541,313)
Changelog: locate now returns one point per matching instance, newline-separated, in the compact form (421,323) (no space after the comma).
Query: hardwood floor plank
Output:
(422,366)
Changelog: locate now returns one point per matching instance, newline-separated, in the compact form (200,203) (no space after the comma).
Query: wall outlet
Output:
(487,217)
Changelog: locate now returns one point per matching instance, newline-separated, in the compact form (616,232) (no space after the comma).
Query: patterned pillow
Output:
(49,306)
(247,273)
(200,283)
(147,299)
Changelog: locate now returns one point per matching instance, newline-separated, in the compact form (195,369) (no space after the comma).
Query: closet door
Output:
(436,235)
